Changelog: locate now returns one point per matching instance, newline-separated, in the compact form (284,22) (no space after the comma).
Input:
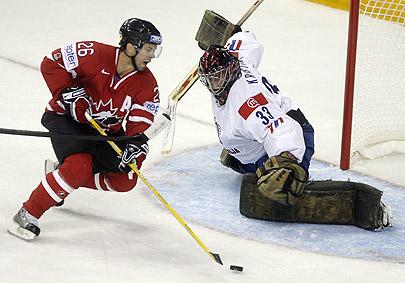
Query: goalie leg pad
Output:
(323,202)
(253,204)
(371,213)
(328,202)
(214,29)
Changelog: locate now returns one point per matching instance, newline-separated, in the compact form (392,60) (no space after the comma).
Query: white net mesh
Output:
(379,99)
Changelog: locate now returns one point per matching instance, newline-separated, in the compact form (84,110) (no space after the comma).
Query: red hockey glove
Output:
(135,152)
(76,103)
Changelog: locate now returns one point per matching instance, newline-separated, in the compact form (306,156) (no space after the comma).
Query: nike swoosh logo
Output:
(103,71)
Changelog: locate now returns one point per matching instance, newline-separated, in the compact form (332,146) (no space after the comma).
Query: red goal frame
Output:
(349,84)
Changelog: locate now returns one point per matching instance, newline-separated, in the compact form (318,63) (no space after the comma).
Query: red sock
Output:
(74,172)
(51,190)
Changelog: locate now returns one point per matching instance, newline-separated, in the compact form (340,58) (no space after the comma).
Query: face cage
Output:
(217,81)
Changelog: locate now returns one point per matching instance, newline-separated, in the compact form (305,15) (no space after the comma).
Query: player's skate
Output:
(386,217)
(24,225)
(49,167)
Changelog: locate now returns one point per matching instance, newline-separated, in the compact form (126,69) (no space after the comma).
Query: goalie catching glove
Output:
(135,152)
(76,103)
(282,179)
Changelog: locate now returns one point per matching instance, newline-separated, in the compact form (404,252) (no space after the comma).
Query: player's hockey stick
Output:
(184,86)
(160,124)
(155,192)
(62,135)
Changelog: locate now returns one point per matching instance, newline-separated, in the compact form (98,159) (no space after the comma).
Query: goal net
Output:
(378,116)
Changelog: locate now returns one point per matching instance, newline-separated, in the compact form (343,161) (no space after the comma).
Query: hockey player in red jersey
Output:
(116,87)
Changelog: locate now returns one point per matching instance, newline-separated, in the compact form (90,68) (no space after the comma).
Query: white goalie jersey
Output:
(253,121)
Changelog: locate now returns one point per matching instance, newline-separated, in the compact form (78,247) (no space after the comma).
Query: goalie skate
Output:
(386,217)
(24,225)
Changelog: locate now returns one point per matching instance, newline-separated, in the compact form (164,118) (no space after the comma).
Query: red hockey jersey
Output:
(132,100)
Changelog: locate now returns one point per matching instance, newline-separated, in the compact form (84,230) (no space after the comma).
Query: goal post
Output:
(374,104)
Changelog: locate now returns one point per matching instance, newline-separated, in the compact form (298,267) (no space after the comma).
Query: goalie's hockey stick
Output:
(184,86)
(155,192)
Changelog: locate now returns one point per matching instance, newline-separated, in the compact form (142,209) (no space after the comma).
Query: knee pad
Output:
(120,182)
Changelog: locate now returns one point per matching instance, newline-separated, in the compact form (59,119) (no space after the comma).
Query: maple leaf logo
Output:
(105,114)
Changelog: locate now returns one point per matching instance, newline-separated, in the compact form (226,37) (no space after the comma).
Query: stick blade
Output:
(167,142)
(217,258)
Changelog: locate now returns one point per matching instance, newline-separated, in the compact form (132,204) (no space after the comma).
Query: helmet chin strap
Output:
(132,59)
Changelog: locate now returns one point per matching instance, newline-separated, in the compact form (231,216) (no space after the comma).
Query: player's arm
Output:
(140,117)
(55,74)
(143,110)
(286,104)
(65,66)
(62,70)
(291,109)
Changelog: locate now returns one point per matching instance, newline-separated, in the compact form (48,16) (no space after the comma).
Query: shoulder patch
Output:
(152,107)
(251,104)
(69,56)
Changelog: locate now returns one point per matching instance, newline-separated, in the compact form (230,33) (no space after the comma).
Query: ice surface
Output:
(131,237)
(211,198)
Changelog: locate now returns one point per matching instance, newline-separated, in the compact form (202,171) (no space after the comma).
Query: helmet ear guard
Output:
(218,70)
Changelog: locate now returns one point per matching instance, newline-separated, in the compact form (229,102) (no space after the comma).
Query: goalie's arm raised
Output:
(192,77)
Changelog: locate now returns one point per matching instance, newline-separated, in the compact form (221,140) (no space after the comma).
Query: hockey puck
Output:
(236,268)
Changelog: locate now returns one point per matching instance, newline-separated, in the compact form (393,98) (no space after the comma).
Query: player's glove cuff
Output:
(76,103)
(135,152)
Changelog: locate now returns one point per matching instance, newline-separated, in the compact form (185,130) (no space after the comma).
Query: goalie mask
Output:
(218,70)
(138,32)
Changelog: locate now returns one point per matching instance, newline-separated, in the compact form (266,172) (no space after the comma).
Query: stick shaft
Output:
(249,12)
(154,191)
(42,134)
(161,122)
(187,82)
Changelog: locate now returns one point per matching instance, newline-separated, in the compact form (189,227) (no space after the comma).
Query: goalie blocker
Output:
(323,202)
(214,30)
